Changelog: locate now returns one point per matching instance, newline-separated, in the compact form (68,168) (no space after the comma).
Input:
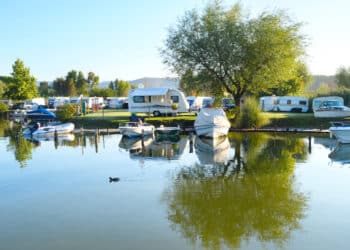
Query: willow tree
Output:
(237,54)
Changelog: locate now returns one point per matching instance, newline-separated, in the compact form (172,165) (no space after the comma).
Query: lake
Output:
(253,191)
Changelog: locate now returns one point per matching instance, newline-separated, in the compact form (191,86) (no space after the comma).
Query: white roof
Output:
(149,91)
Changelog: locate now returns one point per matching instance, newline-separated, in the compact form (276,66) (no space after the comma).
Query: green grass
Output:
(112,118)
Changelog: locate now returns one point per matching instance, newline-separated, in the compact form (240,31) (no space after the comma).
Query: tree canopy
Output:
(342,77)
(22,85)
(234,53)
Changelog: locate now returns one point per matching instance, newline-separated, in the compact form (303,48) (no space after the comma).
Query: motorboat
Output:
(40,114)
(136,129)
(163,132)
(341,131)
(341,154)
(212,150)
(326,111)
(212,123)
(49,130)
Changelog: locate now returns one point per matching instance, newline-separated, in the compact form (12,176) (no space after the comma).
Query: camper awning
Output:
(149,91)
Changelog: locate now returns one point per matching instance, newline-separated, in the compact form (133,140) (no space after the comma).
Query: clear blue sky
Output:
(121,38)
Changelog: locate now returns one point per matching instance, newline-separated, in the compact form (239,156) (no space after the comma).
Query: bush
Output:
(174,106)
(66,112)
(3,108)
(250,115)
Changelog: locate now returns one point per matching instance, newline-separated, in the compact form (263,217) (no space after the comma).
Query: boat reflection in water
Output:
(212,150)
(135,144)
(154,149)
(341,154)
(59,137)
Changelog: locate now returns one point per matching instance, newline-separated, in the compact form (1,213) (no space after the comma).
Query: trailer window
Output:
(302,102)
(289,102)
(138,99)
(174,98)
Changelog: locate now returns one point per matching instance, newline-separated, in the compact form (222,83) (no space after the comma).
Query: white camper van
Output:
(55,101)
(116,102)
(157,101)
(196,102)
(284,103)
(328,101)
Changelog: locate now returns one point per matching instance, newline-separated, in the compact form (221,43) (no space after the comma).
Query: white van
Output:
(284,103)
(196,102)
(157,101)
(116,102)
(55,101)
(327,100)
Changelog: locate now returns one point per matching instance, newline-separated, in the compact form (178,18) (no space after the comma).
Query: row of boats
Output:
(210,123)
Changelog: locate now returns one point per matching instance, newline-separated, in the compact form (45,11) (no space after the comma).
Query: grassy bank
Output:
(112,118)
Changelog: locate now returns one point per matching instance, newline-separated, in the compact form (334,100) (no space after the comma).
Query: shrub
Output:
(174,106)
(3,108)
(250,115)
(66,112)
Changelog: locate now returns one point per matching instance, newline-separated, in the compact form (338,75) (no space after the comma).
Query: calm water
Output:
(255,191)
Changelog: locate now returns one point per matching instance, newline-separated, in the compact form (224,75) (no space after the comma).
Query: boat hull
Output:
(52,130)
(132,129)
(211,131)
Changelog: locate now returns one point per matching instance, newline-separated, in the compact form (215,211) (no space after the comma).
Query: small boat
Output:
(167,132)
(50,130)
(212,123)
(40,114)
(136,129)
(341,131)
(332,111)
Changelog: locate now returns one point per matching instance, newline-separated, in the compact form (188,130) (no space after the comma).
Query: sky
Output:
(122,38)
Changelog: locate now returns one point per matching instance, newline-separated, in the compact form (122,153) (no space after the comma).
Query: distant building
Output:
(153,82)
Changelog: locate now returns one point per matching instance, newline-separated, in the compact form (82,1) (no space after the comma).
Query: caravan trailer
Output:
(54,102)
(284,103)
(157,101)
(327,101)
(196,102)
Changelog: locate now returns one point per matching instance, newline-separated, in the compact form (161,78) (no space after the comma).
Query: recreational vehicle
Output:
(157,101)
(34,103)
(327,101)
(196,102)
(116,102)
(284,103)
(54,102)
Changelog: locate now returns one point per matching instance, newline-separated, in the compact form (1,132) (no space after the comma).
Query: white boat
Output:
(341,131)
(136,129)
(50,130)
(212,122)
(332,111)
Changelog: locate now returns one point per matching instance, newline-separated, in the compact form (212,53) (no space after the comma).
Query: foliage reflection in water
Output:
(221,193)
(252,195)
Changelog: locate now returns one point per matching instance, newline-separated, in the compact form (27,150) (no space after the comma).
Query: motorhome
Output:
(196,102)
(327,101)
(34,103)
(157,101)
(116,102)
(55,101)
(284,103)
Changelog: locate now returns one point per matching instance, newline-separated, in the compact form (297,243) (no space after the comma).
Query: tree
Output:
(44,89)
(93,80)
(81,84)
(22,85)
(59,85)
(102,92)
(2,88)
(235,54)
(122,88)
(342,77)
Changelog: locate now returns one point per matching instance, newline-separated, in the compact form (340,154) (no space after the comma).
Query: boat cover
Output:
(212,116)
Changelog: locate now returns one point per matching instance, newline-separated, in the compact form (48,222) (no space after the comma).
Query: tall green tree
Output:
(59,85)
(93,80)
(236,54)
(23,85)
(81,84)
(342,77)
(44,89)
(122,88)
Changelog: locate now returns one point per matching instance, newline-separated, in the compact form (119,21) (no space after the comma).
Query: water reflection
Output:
(149,148)
(210,151)
(341,154)
(251,195)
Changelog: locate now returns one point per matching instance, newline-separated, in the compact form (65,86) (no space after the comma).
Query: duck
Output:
(114,179)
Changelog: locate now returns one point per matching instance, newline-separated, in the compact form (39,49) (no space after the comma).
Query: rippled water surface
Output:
(247,191)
